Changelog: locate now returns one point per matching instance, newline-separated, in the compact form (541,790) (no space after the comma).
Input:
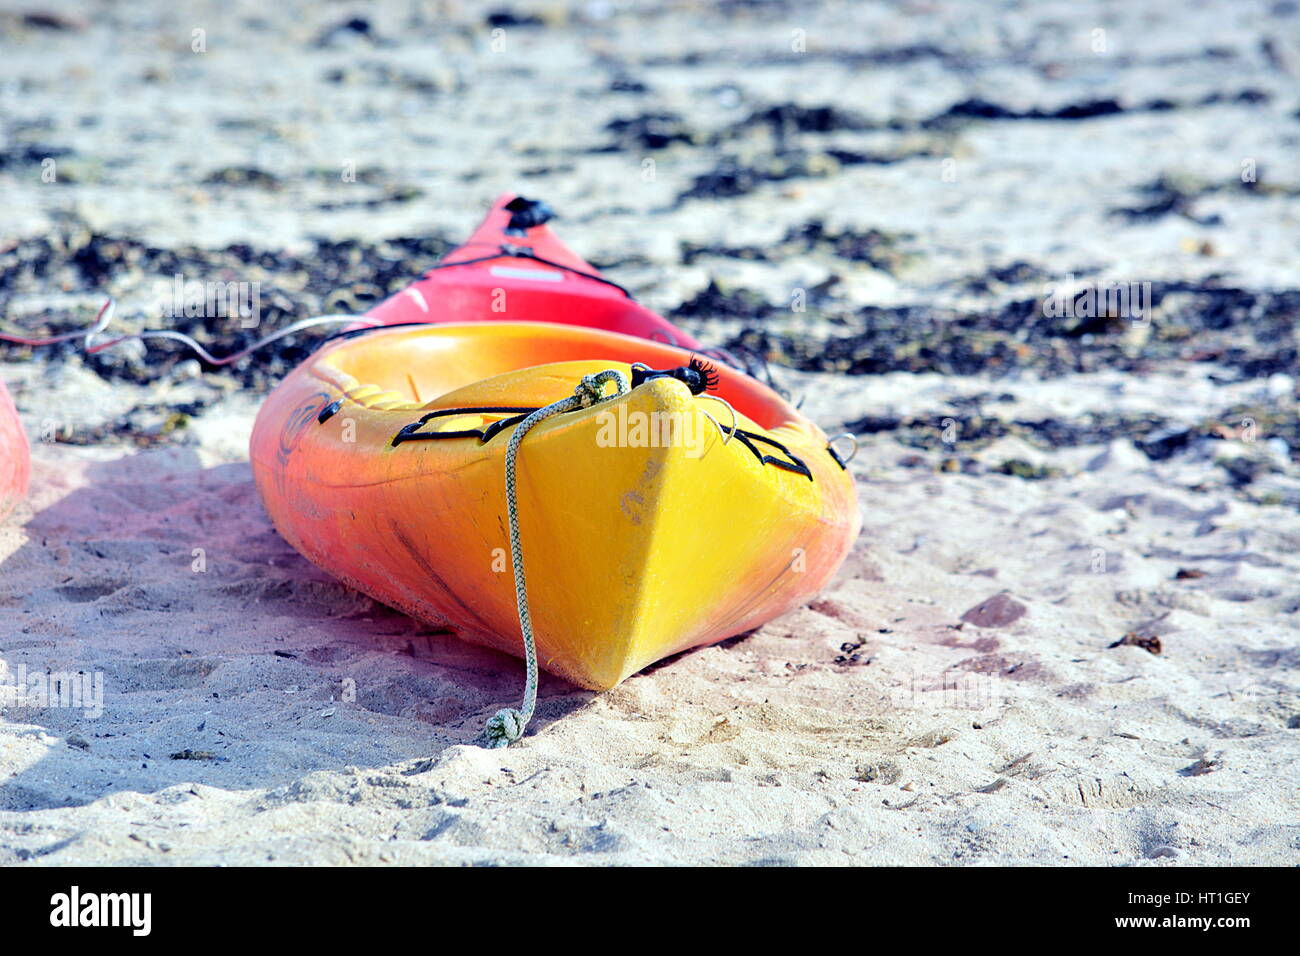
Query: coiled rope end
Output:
(505,727)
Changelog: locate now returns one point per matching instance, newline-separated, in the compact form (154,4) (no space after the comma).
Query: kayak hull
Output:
(640,538)
(15,459)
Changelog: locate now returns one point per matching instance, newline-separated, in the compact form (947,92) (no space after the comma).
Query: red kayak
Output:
(15,461)
(514,269)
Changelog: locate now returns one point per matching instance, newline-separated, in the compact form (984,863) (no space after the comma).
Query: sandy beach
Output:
(1069,633)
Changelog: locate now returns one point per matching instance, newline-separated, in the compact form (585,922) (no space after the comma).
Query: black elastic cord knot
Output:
(698,376)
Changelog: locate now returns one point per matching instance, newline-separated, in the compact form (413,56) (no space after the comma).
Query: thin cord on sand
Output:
(105,316)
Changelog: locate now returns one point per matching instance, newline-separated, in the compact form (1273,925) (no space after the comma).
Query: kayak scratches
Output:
(294,428)
(436,579)
(632,504)
(653,465)
(737,613)
(298,422)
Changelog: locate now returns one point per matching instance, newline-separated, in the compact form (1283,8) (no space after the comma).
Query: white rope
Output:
(105,316)
(507,725)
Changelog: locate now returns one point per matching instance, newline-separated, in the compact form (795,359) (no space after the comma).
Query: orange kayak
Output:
(15,460)
(650,522)
(515,269)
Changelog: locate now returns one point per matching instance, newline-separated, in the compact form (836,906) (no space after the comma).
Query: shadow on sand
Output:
(225,658)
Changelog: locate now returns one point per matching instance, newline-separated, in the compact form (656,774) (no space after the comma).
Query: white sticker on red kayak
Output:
(538,275)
